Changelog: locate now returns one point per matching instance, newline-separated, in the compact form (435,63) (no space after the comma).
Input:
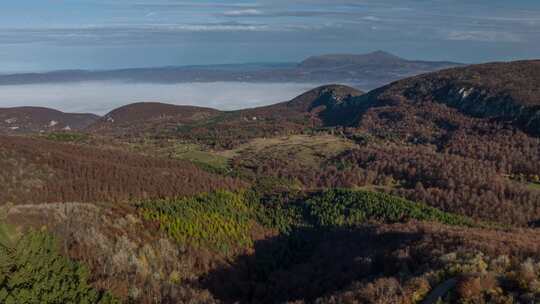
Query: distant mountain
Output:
(347,60)
(37,119)
(366,71)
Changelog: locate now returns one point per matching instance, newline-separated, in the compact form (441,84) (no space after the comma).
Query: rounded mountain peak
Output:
(142,111)
(341,60)
(328,95)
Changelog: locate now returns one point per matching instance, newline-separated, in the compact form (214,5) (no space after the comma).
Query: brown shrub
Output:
(469,287)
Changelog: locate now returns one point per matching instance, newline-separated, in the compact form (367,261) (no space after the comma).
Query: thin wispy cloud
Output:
(484,36)
(193,4)
(243,13)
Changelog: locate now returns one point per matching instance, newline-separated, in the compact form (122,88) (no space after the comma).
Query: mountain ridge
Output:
(505,91)
(309,109)
(367,71)
(374,58)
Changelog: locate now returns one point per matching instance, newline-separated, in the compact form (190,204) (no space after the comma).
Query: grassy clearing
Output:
(293,158)
(306,149)
(195,154)
(67,137)
(534,186)
(206,159)
(328,142)
(298,150)
(6,234)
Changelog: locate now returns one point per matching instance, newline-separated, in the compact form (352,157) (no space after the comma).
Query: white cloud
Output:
(243,12)
(372,18)
(102,97)
(192,4)
(484,36)
(219,27)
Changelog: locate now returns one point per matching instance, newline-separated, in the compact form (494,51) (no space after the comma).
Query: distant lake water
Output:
(102,97)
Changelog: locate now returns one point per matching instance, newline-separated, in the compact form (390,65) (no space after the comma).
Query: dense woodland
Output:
(419,191)
(49,171)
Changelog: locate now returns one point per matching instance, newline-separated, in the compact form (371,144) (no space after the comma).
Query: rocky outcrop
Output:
(501,91)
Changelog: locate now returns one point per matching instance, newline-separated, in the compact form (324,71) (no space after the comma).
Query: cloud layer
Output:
(102,97)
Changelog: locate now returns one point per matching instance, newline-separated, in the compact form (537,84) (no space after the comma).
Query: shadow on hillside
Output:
(307,264)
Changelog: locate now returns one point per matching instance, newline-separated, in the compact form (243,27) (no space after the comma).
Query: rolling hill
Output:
(427,188)
(36,119)
(226,129)
(149,116)
(488,131)
(502,91)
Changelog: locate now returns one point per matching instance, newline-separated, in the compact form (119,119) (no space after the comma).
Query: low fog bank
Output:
(102,97)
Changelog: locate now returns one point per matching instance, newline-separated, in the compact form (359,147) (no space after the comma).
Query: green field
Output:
(197,155)
(534,186)
(305,150)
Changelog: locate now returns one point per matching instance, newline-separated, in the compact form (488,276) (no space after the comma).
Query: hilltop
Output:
(37,119)
(147,116)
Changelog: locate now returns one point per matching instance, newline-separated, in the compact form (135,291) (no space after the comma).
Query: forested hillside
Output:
(37,170)
(21,120)
(423,191)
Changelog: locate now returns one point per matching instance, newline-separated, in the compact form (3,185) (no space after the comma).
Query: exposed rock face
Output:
(479,102)
(328,95)
(329,103)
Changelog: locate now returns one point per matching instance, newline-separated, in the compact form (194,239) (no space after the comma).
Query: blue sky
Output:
(101,34)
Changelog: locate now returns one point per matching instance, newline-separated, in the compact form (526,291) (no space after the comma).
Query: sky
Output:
(39,35)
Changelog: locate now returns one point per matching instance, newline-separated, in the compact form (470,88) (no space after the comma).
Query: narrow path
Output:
(440,291)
